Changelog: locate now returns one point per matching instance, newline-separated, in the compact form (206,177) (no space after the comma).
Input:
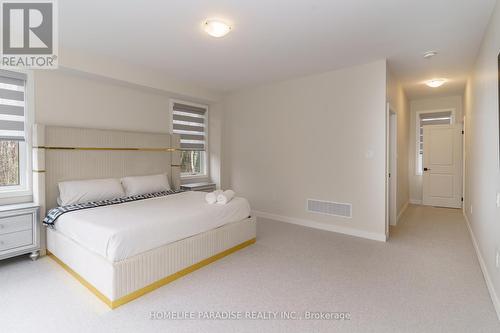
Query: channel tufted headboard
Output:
(70,153)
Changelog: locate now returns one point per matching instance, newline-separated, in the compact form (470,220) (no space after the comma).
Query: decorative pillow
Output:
(81,191)
(145,184)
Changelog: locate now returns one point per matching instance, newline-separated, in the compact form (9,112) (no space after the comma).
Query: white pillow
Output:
(80,191)
(145,184)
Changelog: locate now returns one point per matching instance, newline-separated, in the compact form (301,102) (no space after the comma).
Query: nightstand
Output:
(203,187)
(19,231)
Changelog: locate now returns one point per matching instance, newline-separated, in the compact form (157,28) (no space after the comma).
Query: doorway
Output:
(439,158)
(392,170)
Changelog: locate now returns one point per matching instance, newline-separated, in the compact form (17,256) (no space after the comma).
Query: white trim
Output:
(187,177)
(405,206)
(416,201)
(391,159)
(484,269)
(14,191)
(464,166)
(322,226)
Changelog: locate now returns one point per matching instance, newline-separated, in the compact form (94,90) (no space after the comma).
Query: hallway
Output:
(444,268)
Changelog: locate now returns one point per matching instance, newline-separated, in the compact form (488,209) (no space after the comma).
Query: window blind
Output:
(12,106)
(190,123)
(435,118)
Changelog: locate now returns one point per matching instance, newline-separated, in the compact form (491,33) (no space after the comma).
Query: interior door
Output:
(442,161)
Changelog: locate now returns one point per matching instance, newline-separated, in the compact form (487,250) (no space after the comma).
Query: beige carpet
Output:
(425,279)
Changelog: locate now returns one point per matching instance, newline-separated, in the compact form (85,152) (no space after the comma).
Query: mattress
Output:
(118,232)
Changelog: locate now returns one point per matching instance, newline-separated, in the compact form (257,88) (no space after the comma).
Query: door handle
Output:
(427,169)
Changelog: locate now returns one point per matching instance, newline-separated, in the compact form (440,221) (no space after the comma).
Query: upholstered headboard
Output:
(69,153)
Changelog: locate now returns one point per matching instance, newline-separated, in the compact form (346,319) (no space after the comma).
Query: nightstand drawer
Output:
(16,239)
(19,230)
(16,223)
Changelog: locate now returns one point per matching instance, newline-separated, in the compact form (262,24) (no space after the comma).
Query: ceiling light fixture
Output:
(430,54)
(216,28)
(434,83)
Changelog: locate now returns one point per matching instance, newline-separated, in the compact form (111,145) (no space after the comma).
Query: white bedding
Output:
(121,231)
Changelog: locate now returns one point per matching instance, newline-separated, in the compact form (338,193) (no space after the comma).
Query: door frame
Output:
(464,157)
(391,175)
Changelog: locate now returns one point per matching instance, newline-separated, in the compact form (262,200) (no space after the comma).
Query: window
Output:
(190,122)
(13,147)
(425,119)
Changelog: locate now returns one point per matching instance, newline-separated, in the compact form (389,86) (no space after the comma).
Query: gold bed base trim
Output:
(155,285)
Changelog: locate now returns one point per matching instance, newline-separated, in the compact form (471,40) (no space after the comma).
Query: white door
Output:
(442,161)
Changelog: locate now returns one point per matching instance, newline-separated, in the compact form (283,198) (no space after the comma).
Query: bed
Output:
(122,251)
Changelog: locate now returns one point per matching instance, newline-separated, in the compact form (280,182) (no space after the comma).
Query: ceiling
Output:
(275,40)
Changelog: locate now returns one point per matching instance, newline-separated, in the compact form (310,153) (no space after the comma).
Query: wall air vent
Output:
(329,208)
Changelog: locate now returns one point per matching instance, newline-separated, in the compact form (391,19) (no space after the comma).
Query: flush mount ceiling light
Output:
(434,83)
(430,54)
(216,28)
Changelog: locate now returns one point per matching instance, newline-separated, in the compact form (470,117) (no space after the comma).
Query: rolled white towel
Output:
(225,197)
(211,197)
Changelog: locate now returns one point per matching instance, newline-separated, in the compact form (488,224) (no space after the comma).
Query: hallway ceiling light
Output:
(430,54)
(434,83)
(216,28)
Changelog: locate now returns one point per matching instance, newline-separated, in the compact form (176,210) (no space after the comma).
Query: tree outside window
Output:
(9,163)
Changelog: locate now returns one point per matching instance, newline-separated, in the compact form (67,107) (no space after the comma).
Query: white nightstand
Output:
(19,231)
(203,187)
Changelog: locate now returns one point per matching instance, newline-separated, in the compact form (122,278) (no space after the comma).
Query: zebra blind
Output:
(12,106)
(190,123)
(435,118)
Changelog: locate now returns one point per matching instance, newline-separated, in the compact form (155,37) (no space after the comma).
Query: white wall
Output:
(121,71)
(439,103)
(482,169)
(398,100)
(319,137)
(69,99)
(72,98)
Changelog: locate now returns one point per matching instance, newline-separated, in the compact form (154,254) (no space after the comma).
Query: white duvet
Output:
(121,231)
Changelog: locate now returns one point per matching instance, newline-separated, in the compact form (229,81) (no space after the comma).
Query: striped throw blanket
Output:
(54,213)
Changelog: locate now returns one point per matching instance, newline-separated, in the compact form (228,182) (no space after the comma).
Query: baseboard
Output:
(322,226)
(486,275)
(405,206)
(415,201)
